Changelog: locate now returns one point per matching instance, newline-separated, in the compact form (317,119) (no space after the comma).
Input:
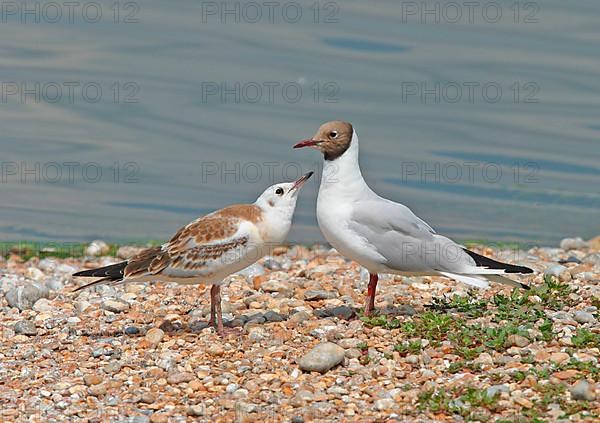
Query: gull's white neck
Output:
(342,176)
(276,221)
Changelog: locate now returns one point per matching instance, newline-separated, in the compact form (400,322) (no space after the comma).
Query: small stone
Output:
(99,352)
(322,358)
(66,269)
(516,341)
(257,318)
(97,390)
(584,317)
(240,393)
(35,274)
(25,327)
(115,306)
(24,297)
(147,398)
(155,335)
(401,310)
(113,367)
(180,377)
(593,258)
(272,264)
(237,322)
(341,312)
(134,288)
(558,271)
(496,389)
(524,402)
(90,380)
(384,404)
(583,391)
(535,299)
(559,357)
(54,284)
(131,330)
(302,396)
(47,264)
(566,374)
(573,244)
(159,418)
(166,361)
(542,356)
(43,305)
(129,297)
(82,305)
(570,259)
(251,271)
(277,286)
(198,326)
(413,359)
(566,341)
(428,374)
(585,276)
(97,248)
(484,358)
(317,294)
(195,410)
(271,316)
(257,333)
(299,317)
(594,243)
(231,388)
(216,350)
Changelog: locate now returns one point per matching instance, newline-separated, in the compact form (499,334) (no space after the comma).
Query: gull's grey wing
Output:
(407,242)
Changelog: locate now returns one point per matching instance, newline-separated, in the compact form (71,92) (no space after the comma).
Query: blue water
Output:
(174,136)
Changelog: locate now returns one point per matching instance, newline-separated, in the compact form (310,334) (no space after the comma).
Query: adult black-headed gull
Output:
(212,247)
(381,235)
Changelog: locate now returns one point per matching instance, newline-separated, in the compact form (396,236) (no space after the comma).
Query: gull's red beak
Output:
(307,143)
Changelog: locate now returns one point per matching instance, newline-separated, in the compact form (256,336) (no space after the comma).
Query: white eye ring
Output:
(279,191)
(333,134)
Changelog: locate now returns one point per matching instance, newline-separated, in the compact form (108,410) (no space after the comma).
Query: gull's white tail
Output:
(469,280)
(481,281)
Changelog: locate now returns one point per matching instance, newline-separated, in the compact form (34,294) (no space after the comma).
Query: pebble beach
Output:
(297,348)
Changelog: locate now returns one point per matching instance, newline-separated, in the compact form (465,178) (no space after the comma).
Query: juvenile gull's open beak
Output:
(299,182)
(307,143)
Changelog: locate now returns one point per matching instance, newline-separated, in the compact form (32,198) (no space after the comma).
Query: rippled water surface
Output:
(520,164)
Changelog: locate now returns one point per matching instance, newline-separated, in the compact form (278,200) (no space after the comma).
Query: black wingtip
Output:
(525,287)
(484,261)
(523,269)
(113,271)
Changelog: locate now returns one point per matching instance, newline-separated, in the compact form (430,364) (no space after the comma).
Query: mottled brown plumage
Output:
(211,247)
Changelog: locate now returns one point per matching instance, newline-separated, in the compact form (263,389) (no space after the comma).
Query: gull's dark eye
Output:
(333,134)
(279,191)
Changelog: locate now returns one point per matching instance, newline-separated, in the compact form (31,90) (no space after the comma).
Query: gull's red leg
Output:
(218,312)
(370,306)
(214,297)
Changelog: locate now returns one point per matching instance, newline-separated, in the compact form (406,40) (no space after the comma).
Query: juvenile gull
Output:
(384,236)
(212,247)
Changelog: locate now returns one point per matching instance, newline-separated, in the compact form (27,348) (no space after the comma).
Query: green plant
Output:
(585,338)
(412,347)
(382,320)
